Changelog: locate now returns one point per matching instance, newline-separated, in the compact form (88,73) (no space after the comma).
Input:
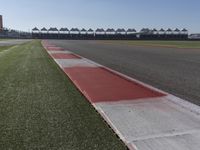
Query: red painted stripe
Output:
(101,85)
(64,56)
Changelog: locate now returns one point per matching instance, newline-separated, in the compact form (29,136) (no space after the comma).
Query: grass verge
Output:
(4,39)
(41,109)
(2,48)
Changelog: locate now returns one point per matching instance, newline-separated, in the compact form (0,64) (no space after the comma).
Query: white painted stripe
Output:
(63,52)
(64,63)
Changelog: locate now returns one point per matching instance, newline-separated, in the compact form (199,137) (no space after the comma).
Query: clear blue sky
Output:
(26,14)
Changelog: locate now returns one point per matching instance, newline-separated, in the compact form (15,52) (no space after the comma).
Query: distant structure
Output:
(110,34)
(1,23)
(11,33)
(195,36)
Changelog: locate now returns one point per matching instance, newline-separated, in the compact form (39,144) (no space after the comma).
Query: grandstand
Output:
(110,34)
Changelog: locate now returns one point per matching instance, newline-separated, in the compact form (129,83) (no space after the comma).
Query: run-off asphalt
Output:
(176,71)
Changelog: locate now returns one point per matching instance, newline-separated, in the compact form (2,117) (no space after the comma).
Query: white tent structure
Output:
(74,31)
(169,31)
(176,31)
(155,31)
(90,32)
(145,31)
(53,31)
(44,30)
(110,31)
(100,31)
(83,31)
(131,31)
(121,31)
(161,31)
(35,30)
(64,31)
(184,31)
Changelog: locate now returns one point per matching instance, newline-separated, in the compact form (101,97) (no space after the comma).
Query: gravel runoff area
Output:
(174,70)
(41,109)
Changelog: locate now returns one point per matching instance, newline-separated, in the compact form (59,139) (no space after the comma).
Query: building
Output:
(83,31)
(100,31)
(1,23)
(195,36)
(121,31)
(110,31)
(111,34)
(90,32)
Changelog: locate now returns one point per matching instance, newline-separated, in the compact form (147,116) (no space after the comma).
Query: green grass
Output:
(175,44)
(4,39)
(2,48)
(41,109)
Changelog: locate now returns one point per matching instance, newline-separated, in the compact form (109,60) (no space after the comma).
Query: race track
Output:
(173,70)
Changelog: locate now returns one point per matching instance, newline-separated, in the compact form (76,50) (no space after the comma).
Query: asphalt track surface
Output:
(173,70)
(13,42)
